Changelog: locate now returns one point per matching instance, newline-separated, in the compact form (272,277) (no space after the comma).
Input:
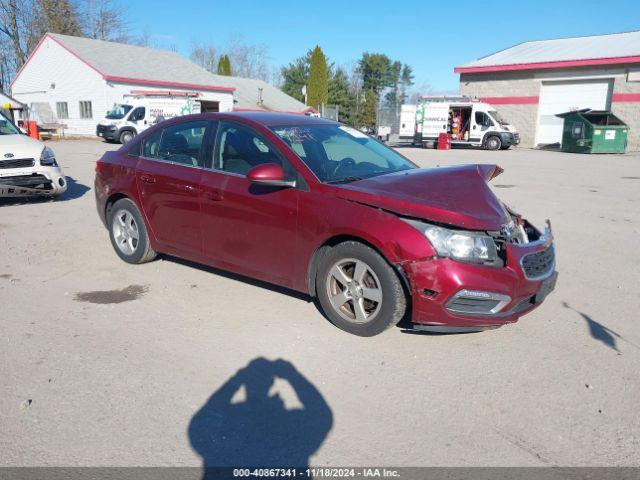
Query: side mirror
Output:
(269,174)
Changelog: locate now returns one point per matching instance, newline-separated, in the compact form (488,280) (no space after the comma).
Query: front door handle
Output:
(212,195)
(147,178)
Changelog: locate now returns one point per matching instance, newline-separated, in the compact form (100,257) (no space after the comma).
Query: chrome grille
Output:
(539,264)
(17,163)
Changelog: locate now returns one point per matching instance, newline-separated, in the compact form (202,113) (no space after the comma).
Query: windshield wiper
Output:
(343,180)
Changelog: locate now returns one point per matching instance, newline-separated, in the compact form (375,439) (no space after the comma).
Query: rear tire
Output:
(128,233)
(493,143)
(358,290)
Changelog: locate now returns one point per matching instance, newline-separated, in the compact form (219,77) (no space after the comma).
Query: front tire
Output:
(126,136)
(493,143)
(358,290)
(128,233)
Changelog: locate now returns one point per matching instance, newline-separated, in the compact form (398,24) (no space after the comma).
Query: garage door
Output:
(560,97)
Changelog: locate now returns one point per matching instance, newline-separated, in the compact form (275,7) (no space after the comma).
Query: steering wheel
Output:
(344,163)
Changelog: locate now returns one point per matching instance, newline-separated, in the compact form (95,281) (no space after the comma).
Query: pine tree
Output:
(224,65)
(295,76)
(369,110)
(342,96)
(318,86)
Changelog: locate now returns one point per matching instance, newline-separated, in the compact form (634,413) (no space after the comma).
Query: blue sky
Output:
(432,37)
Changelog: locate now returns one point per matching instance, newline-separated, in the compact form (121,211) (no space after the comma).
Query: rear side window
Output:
(151,145)
(182,143)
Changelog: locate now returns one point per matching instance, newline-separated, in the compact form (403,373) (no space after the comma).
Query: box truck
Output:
(136,113)
(466,121)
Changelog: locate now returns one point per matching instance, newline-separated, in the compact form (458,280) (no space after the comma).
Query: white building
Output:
(82,78)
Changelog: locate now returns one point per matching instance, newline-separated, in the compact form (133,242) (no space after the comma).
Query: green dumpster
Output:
(593,131)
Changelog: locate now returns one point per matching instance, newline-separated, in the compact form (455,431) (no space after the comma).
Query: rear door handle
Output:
(212,195)
(147,178)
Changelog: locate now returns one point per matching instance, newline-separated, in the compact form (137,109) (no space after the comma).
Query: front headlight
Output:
(48,158)
(461,245)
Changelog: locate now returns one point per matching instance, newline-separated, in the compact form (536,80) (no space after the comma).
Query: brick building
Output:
(531,82)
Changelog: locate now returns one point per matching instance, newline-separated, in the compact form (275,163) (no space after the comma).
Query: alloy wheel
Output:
(125,231)
(354,290)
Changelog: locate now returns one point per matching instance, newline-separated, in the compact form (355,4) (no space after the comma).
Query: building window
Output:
(62,109)
(85,109)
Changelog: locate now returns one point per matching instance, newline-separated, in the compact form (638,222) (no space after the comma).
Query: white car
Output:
(27,166)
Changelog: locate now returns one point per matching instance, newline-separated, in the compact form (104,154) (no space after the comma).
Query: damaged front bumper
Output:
(26,184)
(451,296)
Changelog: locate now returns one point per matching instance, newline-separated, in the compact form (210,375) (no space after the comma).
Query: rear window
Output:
(181,143)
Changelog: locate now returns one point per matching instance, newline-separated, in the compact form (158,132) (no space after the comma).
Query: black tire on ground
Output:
(389,311)
(142,252)
(493,143)
(126,136)
(503,147)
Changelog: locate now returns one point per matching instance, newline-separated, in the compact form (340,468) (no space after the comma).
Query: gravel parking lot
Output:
(104,363)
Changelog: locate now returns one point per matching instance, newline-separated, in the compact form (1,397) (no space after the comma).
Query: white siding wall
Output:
(73,79)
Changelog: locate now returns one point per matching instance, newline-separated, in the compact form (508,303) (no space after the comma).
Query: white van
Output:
(137,113)
(468,122)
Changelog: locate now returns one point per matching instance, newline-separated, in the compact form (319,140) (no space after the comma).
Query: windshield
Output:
(7,127)
(498,117)
(337,153)
(118,112)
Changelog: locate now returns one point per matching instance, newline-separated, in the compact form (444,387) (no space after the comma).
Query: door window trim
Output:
(201,154)
(267,142)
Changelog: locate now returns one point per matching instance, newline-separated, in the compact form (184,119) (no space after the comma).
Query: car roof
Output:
(269,119)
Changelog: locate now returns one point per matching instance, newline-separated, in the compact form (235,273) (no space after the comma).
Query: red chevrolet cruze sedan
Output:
(321,208)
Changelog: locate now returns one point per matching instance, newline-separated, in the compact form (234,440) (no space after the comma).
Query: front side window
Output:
(62,110)
(85,109)
(240,148)
(151,145)
(483,119)
(182,143)
(337,153)
(137,114)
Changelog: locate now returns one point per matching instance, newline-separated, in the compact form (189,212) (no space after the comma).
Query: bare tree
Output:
(142,40)
(105,20)
(204,55)
(16,28)
(248,60)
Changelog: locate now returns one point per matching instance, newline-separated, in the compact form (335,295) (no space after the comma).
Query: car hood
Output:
(458,196)
(20,146)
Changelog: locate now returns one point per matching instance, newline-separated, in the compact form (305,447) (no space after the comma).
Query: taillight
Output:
(99,165)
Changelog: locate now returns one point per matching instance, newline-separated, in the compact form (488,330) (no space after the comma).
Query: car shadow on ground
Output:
(245,423)
(404,324)
(239,278)
(74,190)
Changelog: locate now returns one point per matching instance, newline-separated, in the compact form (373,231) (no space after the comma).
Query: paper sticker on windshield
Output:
(352,131)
